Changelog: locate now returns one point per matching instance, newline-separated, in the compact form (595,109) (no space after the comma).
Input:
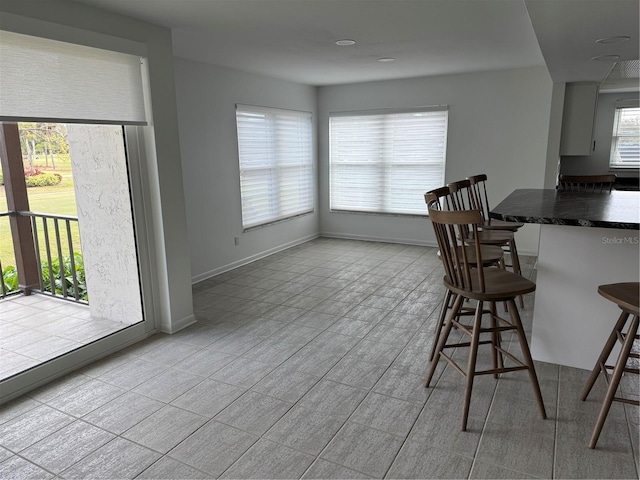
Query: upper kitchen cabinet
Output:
(580,103)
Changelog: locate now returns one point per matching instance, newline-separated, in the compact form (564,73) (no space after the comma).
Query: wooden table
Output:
(586,240)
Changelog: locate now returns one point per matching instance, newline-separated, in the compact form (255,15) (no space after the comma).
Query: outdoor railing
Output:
(3,288)
(61,275)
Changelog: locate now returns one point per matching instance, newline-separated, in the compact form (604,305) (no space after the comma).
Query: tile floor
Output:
(309,364)
(37,328)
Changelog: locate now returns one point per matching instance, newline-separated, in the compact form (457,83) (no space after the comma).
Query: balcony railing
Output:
(4,291)
(58,256)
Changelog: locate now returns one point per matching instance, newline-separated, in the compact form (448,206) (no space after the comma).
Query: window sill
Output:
(382,214)
(275,222)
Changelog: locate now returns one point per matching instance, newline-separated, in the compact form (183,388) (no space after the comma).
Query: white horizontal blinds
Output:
(42,79)
(385,162)
(276,163)
(625,144)
(357,169)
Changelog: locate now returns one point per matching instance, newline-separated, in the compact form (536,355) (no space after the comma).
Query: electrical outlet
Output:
(236,241)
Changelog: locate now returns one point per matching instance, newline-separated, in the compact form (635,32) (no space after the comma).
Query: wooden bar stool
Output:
(587,183)
(464,199)
(480,201)
(440,198)
(485,285)
(627,297)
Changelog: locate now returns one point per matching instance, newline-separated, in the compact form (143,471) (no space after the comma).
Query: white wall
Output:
(207,96)
(598,162)
(498,125)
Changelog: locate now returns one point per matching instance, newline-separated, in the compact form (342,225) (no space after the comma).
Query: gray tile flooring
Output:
(309,364)
(38,327)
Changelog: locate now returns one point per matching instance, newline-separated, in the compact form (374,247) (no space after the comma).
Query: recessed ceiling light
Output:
(386,59)
(606,58)
(345,42)
(617,39)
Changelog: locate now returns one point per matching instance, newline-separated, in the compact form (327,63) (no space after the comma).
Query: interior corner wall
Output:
(555,133)
(498,125)
(207,95)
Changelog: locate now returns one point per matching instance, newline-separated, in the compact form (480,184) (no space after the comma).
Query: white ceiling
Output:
(294,39)
(568,29)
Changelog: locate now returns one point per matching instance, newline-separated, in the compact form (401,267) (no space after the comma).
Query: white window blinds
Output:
(48,80)
(625,142)
(385,162)
(276,164)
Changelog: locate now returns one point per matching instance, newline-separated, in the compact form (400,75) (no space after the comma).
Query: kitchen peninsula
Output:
(586,240)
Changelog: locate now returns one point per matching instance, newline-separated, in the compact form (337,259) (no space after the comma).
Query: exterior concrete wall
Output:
(107,236)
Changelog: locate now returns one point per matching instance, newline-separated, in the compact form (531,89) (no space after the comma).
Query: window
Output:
(384,162)
(276,164)
(625,143)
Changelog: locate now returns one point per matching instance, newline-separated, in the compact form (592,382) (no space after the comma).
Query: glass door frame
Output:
(140,188)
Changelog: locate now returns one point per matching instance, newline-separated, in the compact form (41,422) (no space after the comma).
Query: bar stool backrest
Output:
(441,198)
(460,193)
(479,198)
(451,229)
(587,183)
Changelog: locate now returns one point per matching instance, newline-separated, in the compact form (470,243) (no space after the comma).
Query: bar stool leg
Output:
(441,321)
(515,262)
(471,366)
(604,355)
(503,265)
(614,381)
(457,304)
(524,346)
(496,355)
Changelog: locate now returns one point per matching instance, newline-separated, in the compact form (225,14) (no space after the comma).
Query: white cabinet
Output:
(580,102)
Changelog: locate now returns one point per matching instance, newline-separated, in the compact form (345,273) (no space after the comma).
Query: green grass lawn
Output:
(55,202)
(58,199)
(62,161)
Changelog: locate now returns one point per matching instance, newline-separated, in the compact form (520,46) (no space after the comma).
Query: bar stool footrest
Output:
(500,370)
(630,401)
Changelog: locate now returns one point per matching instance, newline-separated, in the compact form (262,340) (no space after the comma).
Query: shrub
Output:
(10,278)
(65,275)
(43,179)
(30,172)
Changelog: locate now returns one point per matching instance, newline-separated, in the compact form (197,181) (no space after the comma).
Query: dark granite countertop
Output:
(617,209)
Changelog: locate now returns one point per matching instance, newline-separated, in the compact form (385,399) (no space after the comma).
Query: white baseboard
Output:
(180,324)
(404,241)
(369,238)
(527,253)
(239,263)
